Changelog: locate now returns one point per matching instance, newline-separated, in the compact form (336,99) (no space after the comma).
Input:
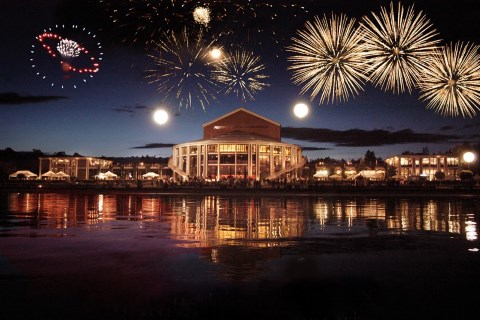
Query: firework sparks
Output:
(253,21)
(327,58)
(68,48)
(143,21)
(201,15)
(182,69)
(451,81)
(397,44)
(241,73)
(78,59)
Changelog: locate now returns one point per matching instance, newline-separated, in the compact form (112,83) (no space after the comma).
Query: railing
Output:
(176,170)
(279,173)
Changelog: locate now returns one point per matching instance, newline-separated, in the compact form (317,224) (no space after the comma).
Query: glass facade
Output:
(237,160)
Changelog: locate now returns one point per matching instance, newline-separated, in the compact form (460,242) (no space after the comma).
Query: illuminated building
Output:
(411,166)
(240,144)
(81,168)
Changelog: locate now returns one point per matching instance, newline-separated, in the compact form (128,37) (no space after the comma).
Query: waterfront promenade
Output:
(451,188)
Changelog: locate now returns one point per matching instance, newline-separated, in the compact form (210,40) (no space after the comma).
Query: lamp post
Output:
(468,157)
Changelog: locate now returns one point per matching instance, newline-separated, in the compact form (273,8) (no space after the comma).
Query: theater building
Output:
(240,144)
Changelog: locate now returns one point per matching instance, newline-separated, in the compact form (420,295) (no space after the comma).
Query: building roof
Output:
(240,110)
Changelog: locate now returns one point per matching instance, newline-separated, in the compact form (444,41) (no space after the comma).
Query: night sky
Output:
(111,113)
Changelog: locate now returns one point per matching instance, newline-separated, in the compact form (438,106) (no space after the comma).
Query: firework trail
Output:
(182,69)
(397,43)
(327,58)
(451,81)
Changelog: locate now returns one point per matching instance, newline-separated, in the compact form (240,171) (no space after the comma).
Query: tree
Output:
(440,175)
(466,175)
(370,159)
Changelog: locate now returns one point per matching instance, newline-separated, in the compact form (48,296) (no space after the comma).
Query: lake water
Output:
(171,256)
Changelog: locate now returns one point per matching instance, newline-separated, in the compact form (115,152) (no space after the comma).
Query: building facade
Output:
(411,166)
(80,168)
(240,144)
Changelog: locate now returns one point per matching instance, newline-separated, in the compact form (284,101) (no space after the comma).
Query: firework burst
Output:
(327,58)
(201,15)
(65,54)
(241,73)
(451,81)
(141,22)
(397,44)
(182,69)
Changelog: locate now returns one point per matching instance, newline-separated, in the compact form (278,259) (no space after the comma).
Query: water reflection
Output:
(202,221)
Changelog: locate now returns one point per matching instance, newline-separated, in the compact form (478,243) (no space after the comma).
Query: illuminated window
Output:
(264,149)
(242,147)
(228,158)
(227,148)
(184,150)
(212,158)
(288,151)
(277,150)
(452,161)
(212,148)
(242,158)
(193,149)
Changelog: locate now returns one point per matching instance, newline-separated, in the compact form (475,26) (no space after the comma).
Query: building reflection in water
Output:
(203,221)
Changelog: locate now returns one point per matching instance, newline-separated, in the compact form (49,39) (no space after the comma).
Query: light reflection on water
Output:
(207,220)
(165,256)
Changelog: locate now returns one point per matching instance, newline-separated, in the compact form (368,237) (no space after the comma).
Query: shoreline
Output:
(321,190)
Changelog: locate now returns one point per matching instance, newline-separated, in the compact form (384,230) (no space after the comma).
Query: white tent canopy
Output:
(49,174)
(26,173)
(106,175)
(150,175)
(61,175)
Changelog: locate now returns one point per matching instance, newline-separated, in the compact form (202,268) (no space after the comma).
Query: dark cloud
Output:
(447,128)
(121,110)
(130,109)
(314,149)
(473,125)
(15,98)
(363,138)
(155,146)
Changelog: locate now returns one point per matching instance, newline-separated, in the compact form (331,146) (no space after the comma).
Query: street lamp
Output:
(468,157)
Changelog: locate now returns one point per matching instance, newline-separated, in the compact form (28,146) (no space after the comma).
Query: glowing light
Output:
(469,157)
(201,15)
(241,73)
(451,81)
(328,60)
(181,69)
(300,110)
(397,45)
(160,116)
(215,53)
